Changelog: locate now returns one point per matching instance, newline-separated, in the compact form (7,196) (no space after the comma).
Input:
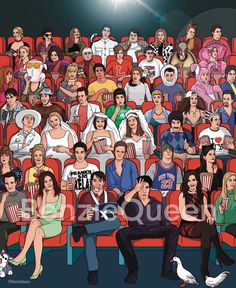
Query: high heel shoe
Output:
(20,263)
(34,277)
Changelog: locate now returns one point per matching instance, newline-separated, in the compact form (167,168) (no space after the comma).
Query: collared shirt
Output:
(8,114)
(127,179)
(226,119)
(104,48)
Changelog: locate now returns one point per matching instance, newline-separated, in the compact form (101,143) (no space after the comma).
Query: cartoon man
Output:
(138,205)
(170,87)
(34,81)
(99,88)
(47,43)
(179,138)
(46,106)
(151,66)
(119,68)
(216,38)
(27,137)
(6,198)
(95,221)
(166,174)
(121,172)
(85,67)
(216,133)
(104,47)
(11,108)
(81,112)
(230,83)
(79,173)
(133,45)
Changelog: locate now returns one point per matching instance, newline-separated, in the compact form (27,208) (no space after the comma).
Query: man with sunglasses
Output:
(85,67)
(151,66)
(11,108)
(47,42)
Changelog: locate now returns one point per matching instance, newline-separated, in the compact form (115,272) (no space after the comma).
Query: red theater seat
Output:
(56,39)
(234,45)
(111,58)
(142,57)
(194,163)
(190,81)
(231,60)
(231,165)
(135,161)
(150,161)
(2,45)
(128,103)
(148,105)
(158,81)
(126,38)
(151,39)
(5,60)
(85,39)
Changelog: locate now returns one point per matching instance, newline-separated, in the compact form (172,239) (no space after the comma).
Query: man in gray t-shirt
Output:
(11,196)
(166,174)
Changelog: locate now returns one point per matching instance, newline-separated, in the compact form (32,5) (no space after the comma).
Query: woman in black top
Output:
(197,221)
(208,164)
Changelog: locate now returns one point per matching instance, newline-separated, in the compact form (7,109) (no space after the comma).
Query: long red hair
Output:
(3,73)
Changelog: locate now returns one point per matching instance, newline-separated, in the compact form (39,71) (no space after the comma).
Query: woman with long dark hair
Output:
(208,164)
(197,221)
(55,62)
(49,212)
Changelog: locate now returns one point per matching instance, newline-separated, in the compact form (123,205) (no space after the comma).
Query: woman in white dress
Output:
(58,138)
(134,129)
(101,127)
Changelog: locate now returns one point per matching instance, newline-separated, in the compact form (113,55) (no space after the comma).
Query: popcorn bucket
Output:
(146,149)
(206,180)
(32,188)
(11,212)
(98,145)
(131,152)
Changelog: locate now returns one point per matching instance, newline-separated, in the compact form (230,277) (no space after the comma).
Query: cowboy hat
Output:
(23,113)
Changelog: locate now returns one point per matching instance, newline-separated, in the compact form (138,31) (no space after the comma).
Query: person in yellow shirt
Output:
(102,89)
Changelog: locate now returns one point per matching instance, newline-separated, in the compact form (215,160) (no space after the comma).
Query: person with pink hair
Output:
(202,86)
(214,54)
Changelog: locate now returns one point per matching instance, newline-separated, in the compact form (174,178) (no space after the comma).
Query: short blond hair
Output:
(19,30)
(70,67)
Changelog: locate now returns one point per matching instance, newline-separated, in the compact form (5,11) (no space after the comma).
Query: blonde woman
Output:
(20,68)
(38,158)
(13,47)
(161,46)
(225,206)
(68,87)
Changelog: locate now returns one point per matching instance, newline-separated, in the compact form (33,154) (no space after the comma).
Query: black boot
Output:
(204,263)
(131,277)
(77,232)
(92,278)
(171,275)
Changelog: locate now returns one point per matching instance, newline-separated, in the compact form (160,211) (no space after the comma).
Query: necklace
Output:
(194,113)
(157,113)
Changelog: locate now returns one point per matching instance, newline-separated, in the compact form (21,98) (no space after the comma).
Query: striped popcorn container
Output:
(99,144)
(131,152)
(32,188)
(11,210)
(206,181)
(107,97)
(146,149)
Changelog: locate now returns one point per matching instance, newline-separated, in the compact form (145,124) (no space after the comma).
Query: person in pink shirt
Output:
(6,81)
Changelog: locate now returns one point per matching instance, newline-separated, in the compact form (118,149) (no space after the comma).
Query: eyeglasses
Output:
(10,97)
(48,34)
(33,65)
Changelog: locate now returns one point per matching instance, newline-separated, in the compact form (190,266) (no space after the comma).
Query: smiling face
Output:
(160,36)
(210,156)
(80,154)
(97,184)
(28,121)
(176,125)
(217,34)
(192,183)
(191,33)
(23,54)
(54,122)
(120,99)
(231,182)
(45,99)
(11,100)
(5,159)
(215,122)
(54,56)
(119,152)
(144,193)
(17,35)
(48,184)
(157,99)
(169,76)
(133,37)
(10,184)
(193,101)
(106,32)
(100,123)
(132,122)
(76,34)
(38,157)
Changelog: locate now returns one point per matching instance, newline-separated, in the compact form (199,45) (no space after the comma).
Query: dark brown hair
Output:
(6,151)
(192,25)
(184,105)
(120,144)
(42,176)
(139,131)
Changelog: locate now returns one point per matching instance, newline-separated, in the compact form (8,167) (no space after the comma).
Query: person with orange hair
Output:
(6,81)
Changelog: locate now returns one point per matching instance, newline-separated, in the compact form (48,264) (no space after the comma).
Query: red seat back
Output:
(27,39)
(5,60)
(231,165)
(190,81)
(151,39)
(172,210)
(56,39)
(148,105)
(126,38)
(150,161)
(194,163)
(2,45)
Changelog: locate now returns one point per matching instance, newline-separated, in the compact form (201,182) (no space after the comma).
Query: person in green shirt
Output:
(117,111)
(225,206)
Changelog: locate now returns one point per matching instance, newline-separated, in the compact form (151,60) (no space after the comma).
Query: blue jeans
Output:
(93,230)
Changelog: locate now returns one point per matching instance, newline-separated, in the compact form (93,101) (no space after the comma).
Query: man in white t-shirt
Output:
(216,133)
(77,176)
(151,66)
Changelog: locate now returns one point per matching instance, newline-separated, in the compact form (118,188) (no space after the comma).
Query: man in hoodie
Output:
(169,86)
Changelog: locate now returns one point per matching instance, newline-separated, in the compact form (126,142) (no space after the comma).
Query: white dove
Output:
(214,282)
(184,274)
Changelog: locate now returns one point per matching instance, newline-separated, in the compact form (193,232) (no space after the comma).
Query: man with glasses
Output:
(151,66)
(104,47)
(47,42)
(85,67)
(11,108)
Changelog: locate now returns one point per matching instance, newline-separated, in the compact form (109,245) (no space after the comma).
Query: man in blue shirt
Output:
(230,83)
(179,138)
(227,112)
(121,173)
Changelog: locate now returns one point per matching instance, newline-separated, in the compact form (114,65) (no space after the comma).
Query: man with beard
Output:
(179,138)
(85,67)
(169,86)
(46,107)
(81,112)
(227,112)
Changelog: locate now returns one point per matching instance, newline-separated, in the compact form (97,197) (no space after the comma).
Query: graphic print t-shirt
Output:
(83,176)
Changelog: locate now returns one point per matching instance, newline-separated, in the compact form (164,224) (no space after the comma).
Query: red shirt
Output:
(118,70)
(83,116)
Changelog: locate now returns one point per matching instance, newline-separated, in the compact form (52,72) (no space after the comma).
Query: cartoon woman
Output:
(55,62)
(38,158)
(6,81)
(20,68)
(58,138)
(197,221)
(68,88)
(49,210)
(75,45)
